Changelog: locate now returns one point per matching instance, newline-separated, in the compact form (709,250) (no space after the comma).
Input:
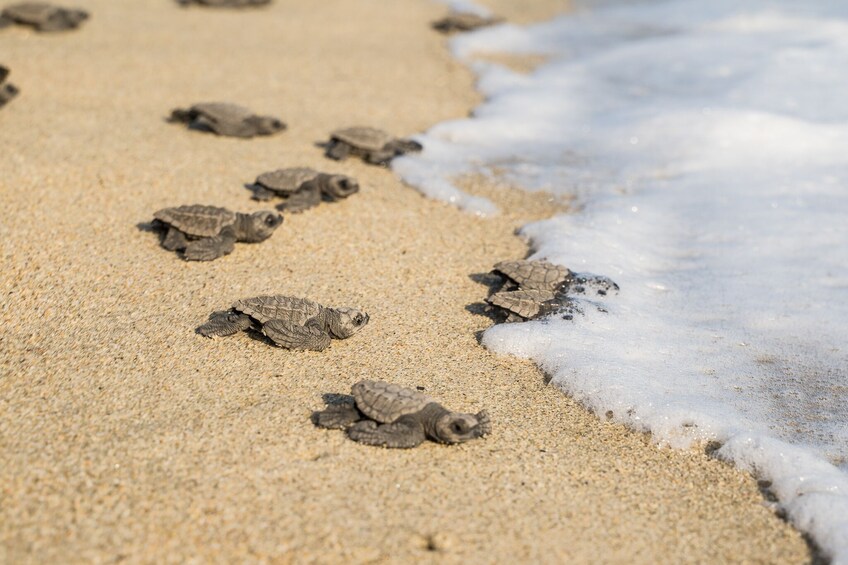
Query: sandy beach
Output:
(124,436)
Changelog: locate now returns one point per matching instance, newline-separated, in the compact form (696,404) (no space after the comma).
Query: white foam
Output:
(706,143)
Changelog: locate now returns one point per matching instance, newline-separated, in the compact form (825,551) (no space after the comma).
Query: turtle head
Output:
(344,322)
(455,427)
(266,125)
(340,186)
(259,226)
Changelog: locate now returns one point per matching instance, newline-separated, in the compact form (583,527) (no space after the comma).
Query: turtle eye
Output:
(457,428)
(271,220)
(357,319)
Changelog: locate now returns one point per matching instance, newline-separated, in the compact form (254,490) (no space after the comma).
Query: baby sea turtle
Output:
(529,289)
(225,3)
(533,289)
(372,145)
(389,415)
(521,305)
(42,16)
(206,232)
(464,21)
(532,275)
(302,187)
(7,90)
(293,323)
(226,119)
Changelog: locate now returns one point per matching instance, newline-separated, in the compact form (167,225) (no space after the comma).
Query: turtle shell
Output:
(44,17)
(278,307)
(369,139)
(534,275)
(528,304)
(286,180)
(385,403)
(196,219)
(464,21)
(221,112)
(32,13)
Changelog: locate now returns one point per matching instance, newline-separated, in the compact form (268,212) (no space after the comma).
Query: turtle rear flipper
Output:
(309,336)
(307,197)
(337,416)
(224,323)
(404,433)
(210,248)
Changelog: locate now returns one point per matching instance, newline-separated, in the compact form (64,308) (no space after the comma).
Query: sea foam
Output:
(706,145)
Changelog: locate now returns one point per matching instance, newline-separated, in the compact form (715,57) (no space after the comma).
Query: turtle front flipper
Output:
(174,239)
(210,248)
(224,323)
(338,150)
(404,433)
(261,193)
(307,197)
(311,335)
(337,416)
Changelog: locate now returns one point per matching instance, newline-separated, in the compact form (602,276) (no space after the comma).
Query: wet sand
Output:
(126,436)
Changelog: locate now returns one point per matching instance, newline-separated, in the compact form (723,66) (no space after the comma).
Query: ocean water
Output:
(707,146)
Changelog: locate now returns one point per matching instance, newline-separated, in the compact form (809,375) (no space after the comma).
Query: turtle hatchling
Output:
(302,187)
(292,323)
(533,289)
(226,119)
(205,233)
(532,275)
(7,90)
(225,3)
(464,21)
(389,415)
(529,289)
(372,145)
(521,305)
(42,16)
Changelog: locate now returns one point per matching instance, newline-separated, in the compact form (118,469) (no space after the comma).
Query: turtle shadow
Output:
(491,281)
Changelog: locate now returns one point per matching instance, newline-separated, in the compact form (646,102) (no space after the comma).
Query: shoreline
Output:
(128,436)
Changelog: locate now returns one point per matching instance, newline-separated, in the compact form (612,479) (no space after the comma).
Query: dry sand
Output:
(125,436)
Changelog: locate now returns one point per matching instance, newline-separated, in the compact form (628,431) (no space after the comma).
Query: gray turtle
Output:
(389,415)
(532,275)
(207,232)
(293,323)
(533,289)
(226,119)
(464,21)
(7,90)
(521,305)
(372,145)
(42,16)
(225,3)
(302,187)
